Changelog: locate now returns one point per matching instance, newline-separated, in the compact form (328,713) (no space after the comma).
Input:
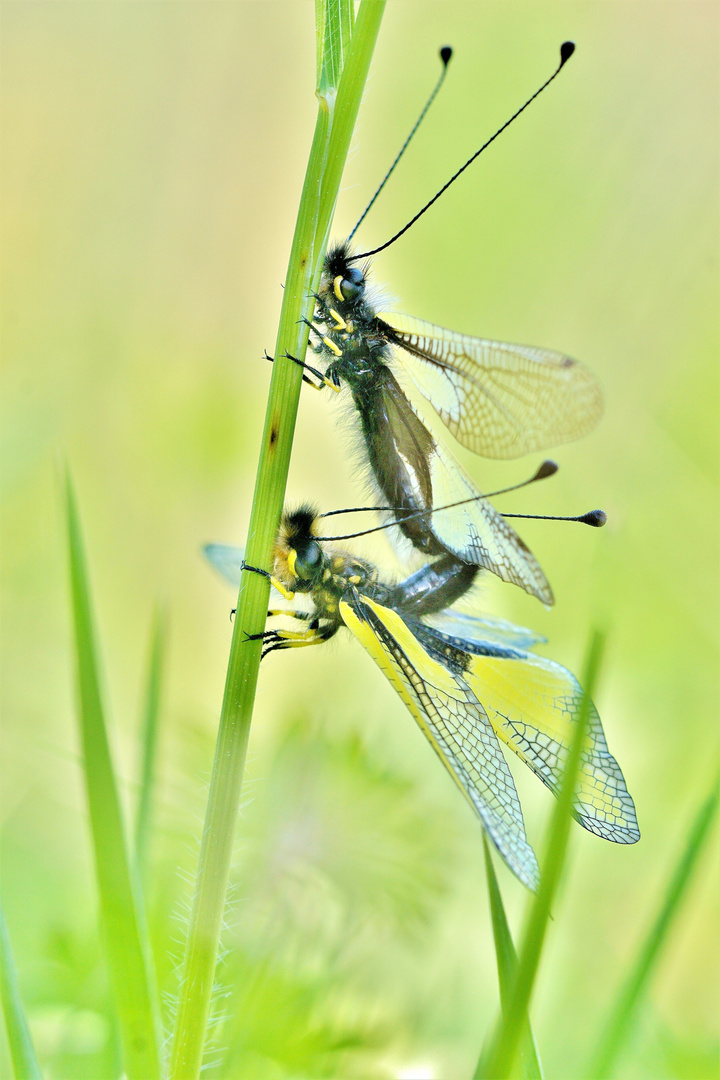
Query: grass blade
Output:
(530,1067)
(337,111)
(22,1051)
(333,27)
(123,923)
(630,996)
(143,823)
(498,1060)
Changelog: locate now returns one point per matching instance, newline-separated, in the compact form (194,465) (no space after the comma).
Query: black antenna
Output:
(596,518)
(566,50)
(548,468)
(445,54)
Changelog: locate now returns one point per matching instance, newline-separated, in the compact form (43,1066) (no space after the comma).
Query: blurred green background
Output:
(154,156)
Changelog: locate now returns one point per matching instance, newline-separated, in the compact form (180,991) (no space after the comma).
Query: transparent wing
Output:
(476,532)
(227,560)
(474,628)
(533,705)
(454,723)
(497,399)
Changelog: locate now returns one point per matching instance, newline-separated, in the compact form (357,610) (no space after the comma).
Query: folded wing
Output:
(476,532)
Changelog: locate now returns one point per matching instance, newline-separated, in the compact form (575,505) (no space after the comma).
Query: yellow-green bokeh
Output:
(154,156)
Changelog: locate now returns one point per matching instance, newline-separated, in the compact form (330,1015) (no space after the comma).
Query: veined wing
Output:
(476,532)
(533,705)
(455,724)
(499,400)
(475,628)
(228,561)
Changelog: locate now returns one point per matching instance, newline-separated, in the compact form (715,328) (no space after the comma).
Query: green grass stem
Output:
(530,1067)
(22,1051)
(338,104)
(125,934)
(498,1060)
(149,738)
(616,1029)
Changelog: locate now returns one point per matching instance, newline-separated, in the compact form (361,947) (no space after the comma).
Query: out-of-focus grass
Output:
(121,904)
(501,1054)
(22,1052)
(615,1033)
(149,746)
(147,217)
(529,1067)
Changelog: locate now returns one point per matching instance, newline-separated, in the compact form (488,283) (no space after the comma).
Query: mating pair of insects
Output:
(471,683)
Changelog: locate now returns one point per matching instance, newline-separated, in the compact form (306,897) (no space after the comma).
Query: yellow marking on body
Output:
(338,562)
(291,561)
(327,574)
(355,579)
(332,346)
(336,288)
(340,323)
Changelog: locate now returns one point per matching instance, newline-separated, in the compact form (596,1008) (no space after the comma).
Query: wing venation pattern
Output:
(498,399)
(455,724)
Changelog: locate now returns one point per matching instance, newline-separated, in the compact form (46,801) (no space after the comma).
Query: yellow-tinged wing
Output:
(455,724)
(533,705)
(497,399)
(476,532)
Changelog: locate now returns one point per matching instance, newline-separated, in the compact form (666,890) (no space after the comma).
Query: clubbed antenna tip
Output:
(548,468)
(566,50)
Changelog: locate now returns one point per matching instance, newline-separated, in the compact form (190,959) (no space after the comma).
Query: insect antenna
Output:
(566,50)
(445,54)
(596,518)
(548,468)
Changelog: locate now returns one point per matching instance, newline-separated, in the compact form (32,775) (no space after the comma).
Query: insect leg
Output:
(293,639)
(325,380)
(303,616)
(307,367)
(285,593)
(331,345)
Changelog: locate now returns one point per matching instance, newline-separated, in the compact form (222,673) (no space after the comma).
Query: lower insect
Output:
(470,683)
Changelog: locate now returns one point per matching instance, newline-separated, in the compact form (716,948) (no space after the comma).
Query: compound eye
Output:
(307,562)
(353,284)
